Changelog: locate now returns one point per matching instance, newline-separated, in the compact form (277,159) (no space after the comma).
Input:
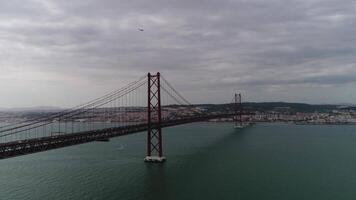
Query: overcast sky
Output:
(63,53)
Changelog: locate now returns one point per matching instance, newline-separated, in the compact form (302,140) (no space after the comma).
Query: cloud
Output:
(208,49)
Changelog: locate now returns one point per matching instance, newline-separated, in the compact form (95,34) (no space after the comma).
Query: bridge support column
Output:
(238,111)
(154,120)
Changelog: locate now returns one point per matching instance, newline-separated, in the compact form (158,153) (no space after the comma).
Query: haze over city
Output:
(63,53)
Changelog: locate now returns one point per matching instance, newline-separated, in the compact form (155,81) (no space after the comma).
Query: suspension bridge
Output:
(147,104)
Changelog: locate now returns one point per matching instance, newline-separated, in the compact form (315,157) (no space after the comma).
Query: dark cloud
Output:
(270,50)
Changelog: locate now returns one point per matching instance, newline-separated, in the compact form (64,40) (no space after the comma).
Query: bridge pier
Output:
(155,159)
(154,120)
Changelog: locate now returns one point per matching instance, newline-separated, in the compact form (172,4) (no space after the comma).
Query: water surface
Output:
(204,161)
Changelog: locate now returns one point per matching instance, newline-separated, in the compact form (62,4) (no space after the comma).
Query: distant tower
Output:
(238,111)
(154,120)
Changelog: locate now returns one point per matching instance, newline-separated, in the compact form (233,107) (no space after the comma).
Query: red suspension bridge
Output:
(147,104)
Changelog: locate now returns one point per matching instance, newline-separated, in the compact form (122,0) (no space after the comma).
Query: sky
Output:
(63,53)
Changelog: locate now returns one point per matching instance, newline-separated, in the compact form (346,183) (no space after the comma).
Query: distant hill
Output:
(252,106)
(280,106)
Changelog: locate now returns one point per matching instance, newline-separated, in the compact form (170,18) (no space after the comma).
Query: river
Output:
(204,161)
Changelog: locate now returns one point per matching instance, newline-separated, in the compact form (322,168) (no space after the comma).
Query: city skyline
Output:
(60,53)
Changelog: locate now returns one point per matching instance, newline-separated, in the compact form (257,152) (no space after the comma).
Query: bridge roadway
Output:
(28,146)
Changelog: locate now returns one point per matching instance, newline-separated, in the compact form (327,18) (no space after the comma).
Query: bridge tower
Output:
(154,120)
(238,111)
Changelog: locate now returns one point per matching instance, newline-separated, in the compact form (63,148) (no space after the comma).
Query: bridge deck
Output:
(23,147)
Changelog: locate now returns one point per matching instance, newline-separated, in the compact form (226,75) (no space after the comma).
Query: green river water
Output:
(204,161)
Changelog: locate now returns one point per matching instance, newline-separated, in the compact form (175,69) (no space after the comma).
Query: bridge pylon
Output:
(154,120)
(238,111)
